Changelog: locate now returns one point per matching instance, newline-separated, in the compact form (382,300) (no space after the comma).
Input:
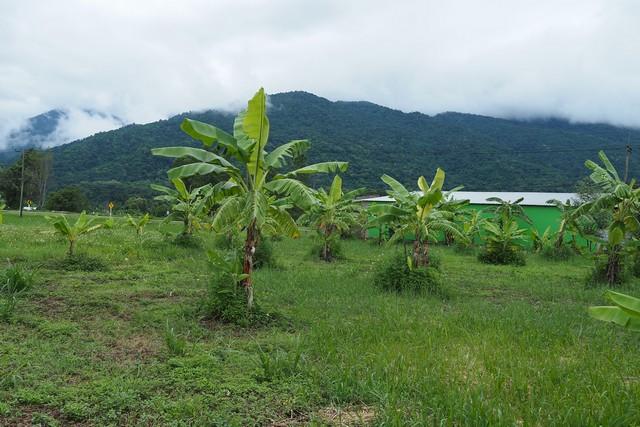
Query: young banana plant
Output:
(333,213)
(138,224)
(83,225)
(186,206)
(416,213)
(255,187)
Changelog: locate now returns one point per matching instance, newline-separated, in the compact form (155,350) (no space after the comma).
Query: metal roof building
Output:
(480,197)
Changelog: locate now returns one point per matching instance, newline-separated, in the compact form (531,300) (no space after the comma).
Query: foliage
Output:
(600,273)
(494,153)
(395,275)
(138,224)
(625,311)
(470,229)
(186,206)
(257,196)
(225,300)
(503,240)
(83,225)
(541,240)
(278,364)
(2,206)
(506,210)
(415,214)
(176,343)
(37,167)
(623,201)
(68,199)
(557,253)
(572,220)
(457,214)
(15,279)
(331,214)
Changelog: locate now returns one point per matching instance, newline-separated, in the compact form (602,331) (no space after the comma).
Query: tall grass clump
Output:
(396,275)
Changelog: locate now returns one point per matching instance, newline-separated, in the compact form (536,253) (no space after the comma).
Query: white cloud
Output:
(145,60)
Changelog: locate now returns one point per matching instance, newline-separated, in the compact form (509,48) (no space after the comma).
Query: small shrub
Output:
(176,343)
(79,262)
(15,280)
(395,275)
(552,252)
(502,257)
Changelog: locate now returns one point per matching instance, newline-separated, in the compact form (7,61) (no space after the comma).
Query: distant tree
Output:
(37,168)
(136,205)
(70,199)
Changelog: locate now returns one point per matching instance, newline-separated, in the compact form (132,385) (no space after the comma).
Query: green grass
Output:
(511,346)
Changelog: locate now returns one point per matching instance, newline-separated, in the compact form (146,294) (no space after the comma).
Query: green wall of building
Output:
(541,218)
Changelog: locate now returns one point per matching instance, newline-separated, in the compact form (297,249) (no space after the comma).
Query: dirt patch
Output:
(340,417)
(350,416)
(51,305)
(133,347)
(30,415)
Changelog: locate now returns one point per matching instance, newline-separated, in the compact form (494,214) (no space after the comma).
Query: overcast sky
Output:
(145,60)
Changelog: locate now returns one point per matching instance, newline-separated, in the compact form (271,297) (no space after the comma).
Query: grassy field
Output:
(511,346)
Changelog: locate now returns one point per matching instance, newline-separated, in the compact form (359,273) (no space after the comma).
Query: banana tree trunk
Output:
(614,267)
(72,245)
(326,253)
(420,253)
(247,262)
(560,239)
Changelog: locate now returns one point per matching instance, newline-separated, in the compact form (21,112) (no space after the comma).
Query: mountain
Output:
(48,129)
(481,153)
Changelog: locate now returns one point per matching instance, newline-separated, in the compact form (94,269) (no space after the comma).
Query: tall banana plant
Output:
(332,213)
(623,201)
(186,206)
(416,213)
(258,194)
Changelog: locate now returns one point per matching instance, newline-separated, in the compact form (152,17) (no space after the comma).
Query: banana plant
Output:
(416,213)
(472,226)
(625,311)
(455,208)
(83,225)
(503,237)
(507,210)
(541,240)
(332,213)
(186,206)
(258,193)
(138,224)
(571,221)
(623,201)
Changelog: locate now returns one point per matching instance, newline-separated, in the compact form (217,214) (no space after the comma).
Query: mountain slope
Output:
(482,153)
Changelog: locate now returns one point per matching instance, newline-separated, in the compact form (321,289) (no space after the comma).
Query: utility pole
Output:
(22,184)
(626,163)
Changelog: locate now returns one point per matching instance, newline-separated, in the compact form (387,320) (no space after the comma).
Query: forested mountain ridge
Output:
(481,153)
